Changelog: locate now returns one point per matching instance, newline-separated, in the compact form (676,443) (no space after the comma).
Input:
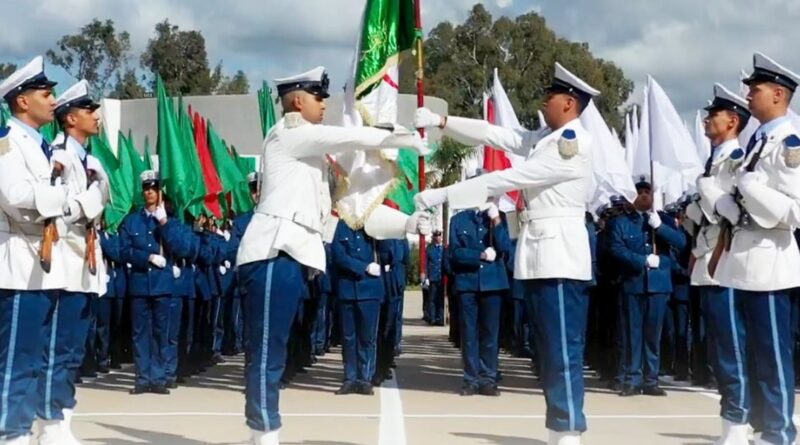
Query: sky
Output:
(686,45)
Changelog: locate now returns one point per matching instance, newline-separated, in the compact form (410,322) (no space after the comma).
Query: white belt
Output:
(300,218)
(552,212)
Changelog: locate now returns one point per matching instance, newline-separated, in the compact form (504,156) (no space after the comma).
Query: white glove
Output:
(374,269)
(227,264)
(93,164)
(426,283)
(62,157)
(387,268)
(227,235)
(425,118)
(653,261)
(160,213)
(419,222)
(492,211)
(727,207)
(489,254)
(749,178)
(694,212)
(176,272)
(430,198)
(421,144)
(222,270)
(654,220)
(157,260)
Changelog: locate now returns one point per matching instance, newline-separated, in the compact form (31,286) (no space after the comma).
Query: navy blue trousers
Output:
(172,354)
(645,319)
(726,319)
(271,292)
(560,309)
(480,329)
(150,324)
(768,328)
(108,315)
(63,354)
(359,322)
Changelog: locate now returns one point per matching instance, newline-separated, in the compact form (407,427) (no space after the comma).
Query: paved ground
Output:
(421,407)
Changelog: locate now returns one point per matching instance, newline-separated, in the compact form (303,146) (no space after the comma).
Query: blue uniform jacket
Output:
(469,236)
(436,267)
(393,253)
(140,236)
(630,243)
(116,268)
(353,251)
(206,272)
(226,282)
(184,285)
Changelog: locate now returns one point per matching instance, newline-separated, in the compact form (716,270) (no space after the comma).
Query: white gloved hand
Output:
(430,198)
(421,145)
(176,272)
(93,165)
(425,118)
(157,260)
(694,212)
(426,283)
(748,178)
(62,157)
(227,235)
(374,269)
(492,211)
(222,270)
(489,254)
(387,268)
(653,261)
(160,214)
(227,264)
(729,209)
(654,220)
(419,223)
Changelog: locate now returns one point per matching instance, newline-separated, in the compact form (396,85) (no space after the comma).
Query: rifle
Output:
(50,233)
(726,227)
(91,238)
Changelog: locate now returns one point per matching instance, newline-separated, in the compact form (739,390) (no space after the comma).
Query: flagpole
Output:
(420,74)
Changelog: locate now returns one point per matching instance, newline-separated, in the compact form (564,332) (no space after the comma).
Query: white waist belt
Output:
(553,212)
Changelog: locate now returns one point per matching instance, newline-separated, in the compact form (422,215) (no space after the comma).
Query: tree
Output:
(96,54)
(238,84)
(460,60)
(180,58)
(448,163)
(6,69)
(128,86)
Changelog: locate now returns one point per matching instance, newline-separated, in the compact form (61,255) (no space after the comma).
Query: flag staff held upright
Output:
(420,74)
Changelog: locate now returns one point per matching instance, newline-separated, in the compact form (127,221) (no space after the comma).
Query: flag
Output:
(147,159)
(119,203)
(499,111)
(266,109)
(703,143)
(630,145)
(180,173)
(232,178)
(371,96)
(132,167)
(213,187)
(5,115)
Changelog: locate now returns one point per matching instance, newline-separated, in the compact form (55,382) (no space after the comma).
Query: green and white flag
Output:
(387,30)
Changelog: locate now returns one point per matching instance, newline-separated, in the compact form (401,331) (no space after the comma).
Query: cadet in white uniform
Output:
(722,307)
(553,257)
(28,294)
(282,245)
(762,264)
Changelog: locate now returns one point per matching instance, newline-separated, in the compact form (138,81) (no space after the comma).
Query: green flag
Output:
(119,204)
(5,115)
(266,108)
(132,167)
(234,180)
(178,165)
(147,158)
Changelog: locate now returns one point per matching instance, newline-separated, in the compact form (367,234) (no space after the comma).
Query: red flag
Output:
(213,184)
(494,159)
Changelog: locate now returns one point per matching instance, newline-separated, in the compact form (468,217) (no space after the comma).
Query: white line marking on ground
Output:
(405,416)
(392,428)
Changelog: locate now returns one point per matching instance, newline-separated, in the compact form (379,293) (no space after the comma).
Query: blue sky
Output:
(687,45)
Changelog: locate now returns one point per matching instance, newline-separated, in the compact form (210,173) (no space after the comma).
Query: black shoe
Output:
(393,364)
(468,390)
(180,379)
(89,374)
(139,390)
(78,380)
(346,388)
(172,384)
(388,375)
(103,370)
(489,390)
(365,389)
(654,391)
(629,390)
(615,386)
(712,384)
(377,381)
(115,366)
(159,389)
(217,359)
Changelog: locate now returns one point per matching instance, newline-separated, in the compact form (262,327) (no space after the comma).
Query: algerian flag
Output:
(387,30)
(266,109)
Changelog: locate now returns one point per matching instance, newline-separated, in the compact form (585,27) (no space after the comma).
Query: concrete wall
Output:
(236,118)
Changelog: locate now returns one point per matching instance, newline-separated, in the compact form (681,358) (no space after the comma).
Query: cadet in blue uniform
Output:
(434,281)
(400,271)
(647,283)
(109,307)
(479,248)
(147,237)
(360,291)
(392,257)
(678,311)
(324,284)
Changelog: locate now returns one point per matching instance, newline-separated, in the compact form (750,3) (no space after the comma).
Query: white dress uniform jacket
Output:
(73,230)
(555,179)
(723,172)
(764,254)
(295,201)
